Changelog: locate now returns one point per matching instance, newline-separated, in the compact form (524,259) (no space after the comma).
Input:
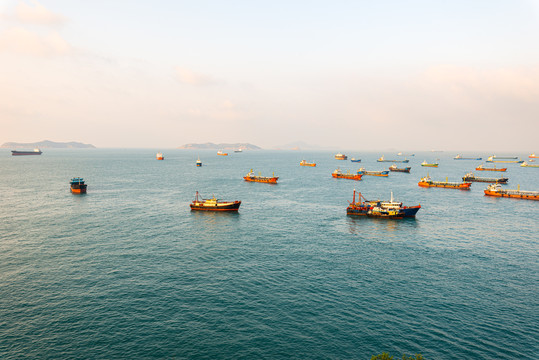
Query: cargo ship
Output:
(497,191)
(404,169)
(198,162)
(306,163)
(355,160)
(428,182)
(214,204)
(460,157)
(340,156)
(385,209)
(263,179)
(482,168)
(470,177)
(527,164)
(425,163)
(382,159)
(507,160)
(338,174)
(78,186)
(222,153)
(36,151)
(533,156)
(159,156)
(362,171)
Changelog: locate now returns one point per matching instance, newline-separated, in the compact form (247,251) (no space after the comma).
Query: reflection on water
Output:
(359,224)
(214,219)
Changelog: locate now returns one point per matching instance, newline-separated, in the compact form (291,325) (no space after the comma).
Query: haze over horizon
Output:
(344,75)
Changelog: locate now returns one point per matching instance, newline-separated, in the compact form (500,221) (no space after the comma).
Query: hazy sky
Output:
(420,75)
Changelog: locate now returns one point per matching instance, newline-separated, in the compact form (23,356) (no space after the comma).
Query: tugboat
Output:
(340,156)
(222,153)
(383,173)
(17,152)
(263,179)
(385,209)
(159,156)
(425,163)
(482,168)
(428,182)
(339,175)
(78,186)
(214,204)
(199,163)
(497,191)
(305,163)
(460,157)
(404,169)
(470,177)
(527,164)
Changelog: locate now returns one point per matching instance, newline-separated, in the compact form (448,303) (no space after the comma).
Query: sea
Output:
(127,271)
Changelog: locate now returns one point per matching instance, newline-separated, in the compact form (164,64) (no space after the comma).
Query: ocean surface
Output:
(128,271)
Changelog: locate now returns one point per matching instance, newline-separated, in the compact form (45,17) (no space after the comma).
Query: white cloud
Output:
(19,40)
(37,14)
(186,76)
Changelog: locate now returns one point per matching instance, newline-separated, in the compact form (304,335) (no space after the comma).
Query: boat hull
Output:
(267,180)
(490,169)
(462,186)
(232,206)
(307,164)
(347,176)
(365,210)
(18,153)
(430,165)
(404,170)
(485,180)
(514,196)
(374,173)
(78,189)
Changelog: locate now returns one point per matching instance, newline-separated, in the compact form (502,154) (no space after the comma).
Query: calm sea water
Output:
(127,271)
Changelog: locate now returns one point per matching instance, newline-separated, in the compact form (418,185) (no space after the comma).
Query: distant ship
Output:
(222,153)
(340,156)
(460,157)
(382,159)
(527,164)
(425,163)
(482,168)
(404,169)
(159,156)
(199,163)
(214,204)
(428,182)
(263,179)
(471,177)
(338,174)
(497,191)
(238,150)
(355,160)
(78,186)
(305,163)
(36,151)
(362,171)
(504,159)
(533,156)
(385,209)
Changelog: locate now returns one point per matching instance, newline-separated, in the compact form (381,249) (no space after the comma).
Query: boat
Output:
(460,157)
(482,168)
(428,182)
(36,151)
(238,150)
(305,163)
(338,174)
(340,156)
(355,160)
(382,159)
(425,163)
(471,177)
(263,179)
(385,209)
(78,186)
(403,154)
(404,169)
(222,153)
(496,190)
(362,171)
(507,160)
(527,164)
(198,162)
(214,204)
(533,156)
(159,156)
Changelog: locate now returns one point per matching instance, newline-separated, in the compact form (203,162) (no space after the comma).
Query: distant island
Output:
(46,144)
(212,146)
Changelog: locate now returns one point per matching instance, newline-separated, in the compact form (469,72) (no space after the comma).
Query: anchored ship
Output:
(460,157)
(362,171)
(533,156)
(214,204)
(385,209)
(428,182)
(305,163)
(425,163)
(338,174)
(404,169)
(159,156)
(36,151)
(471,177)
(497,191)
(382,159)
(222,153)
(78,186)
(355,160)
(527,164)
(506,159)
(482,168)
(263,179)
(340,156)
(198,162)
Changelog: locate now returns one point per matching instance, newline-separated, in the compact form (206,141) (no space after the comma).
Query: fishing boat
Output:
(222,153)
(382,159)
(36,151)
(482,168)
(338,174)
(533,156)
(305,163)
(428,182)
(470,177)
(362,171)
(460,157)
(404,169)
(263,179)
(355,160)
(507,160)
(496,190)
(385,209)
(198,162)
(159,156)
(340,156)
(425,163)
(214,204)
(527,164)
(78,186)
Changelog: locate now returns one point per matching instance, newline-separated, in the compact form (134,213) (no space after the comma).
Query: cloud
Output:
(22,41)
(37,14)
(186,76)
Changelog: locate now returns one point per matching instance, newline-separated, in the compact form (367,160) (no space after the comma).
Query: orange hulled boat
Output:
(482,168)
(533,156)
(428,182)
(159,156)
(305,163)
(78,186)
(338,174)
(497,191)
(222,153)
(263,179)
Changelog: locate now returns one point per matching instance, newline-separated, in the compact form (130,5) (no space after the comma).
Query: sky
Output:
(363,75)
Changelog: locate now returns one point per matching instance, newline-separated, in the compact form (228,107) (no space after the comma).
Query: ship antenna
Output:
(392,196)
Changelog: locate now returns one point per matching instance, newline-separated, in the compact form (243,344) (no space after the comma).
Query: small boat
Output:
(362,171)
(36,151)
(533,156)
(496,190)
(78,186)
(355,160)
(471,177)
(263,179)
(403,154)
(222,153)
(338,174)
(404,169)
(159,156)
(482,168)
(460,157)
(305,163)
(385,209)
(425,163)
(238,150)
(198,162)
(506,160)
(428,182)
(214,204)
(527,164)
(340,156)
